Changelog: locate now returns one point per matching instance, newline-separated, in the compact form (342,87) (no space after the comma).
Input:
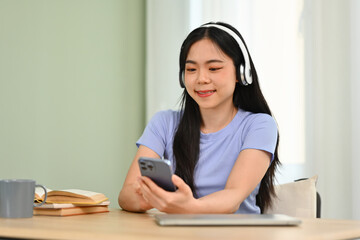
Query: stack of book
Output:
(70,202)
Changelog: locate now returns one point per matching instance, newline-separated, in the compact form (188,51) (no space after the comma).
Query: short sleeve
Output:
(261,134)
(155,133)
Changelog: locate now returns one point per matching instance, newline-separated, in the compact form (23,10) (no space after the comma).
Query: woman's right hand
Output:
(130,197)
(143,203)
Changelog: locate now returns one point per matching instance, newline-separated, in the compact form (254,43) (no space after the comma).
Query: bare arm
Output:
(130,197)
(247,172)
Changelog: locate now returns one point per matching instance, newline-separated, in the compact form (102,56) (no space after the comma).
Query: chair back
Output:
(297,199)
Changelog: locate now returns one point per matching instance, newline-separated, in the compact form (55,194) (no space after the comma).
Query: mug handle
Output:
(39,204)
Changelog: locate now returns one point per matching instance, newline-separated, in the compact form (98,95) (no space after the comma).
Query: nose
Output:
(203,77)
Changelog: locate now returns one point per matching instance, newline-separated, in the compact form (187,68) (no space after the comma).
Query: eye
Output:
(214,69)
(190,69)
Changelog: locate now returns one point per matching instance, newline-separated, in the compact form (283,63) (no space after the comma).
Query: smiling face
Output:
(210,76)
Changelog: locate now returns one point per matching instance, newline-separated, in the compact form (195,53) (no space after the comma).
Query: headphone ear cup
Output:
(182,79)
(242,76)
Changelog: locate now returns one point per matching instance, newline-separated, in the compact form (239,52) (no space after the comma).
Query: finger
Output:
(155,189)
(144,188)
(136,185)
(143,201)
(180,184)
(150,189)
(149,195)
(138,189)
(177,180)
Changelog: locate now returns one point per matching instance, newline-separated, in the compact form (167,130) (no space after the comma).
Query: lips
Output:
(205,93)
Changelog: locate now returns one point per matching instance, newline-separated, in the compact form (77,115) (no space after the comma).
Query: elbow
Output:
(228,209)
(233,208)
(123,203)
(126,204)
(120,201)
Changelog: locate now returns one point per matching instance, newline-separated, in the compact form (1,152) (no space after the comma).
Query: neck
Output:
(214,120)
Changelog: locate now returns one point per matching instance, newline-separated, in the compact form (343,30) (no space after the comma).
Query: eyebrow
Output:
(207,62)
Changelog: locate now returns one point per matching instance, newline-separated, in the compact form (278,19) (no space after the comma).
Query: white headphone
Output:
(245,71)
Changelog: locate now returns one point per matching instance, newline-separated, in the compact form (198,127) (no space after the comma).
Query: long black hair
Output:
(186,144)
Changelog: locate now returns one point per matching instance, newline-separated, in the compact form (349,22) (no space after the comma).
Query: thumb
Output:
(179,183)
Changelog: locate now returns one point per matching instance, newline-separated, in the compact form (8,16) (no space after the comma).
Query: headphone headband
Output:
(245,71)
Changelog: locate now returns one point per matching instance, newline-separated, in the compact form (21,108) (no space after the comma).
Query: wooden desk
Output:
(118,224)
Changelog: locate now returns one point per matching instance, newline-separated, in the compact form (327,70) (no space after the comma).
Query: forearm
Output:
(224,201)
(246,174)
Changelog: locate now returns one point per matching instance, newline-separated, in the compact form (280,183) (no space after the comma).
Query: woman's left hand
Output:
(181,201)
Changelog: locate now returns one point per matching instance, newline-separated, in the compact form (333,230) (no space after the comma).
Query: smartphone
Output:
(158,170)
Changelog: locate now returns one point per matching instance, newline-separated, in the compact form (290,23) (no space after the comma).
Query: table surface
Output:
(121,224)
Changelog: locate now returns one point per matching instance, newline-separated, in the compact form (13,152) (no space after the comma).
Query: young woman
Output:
(222,143)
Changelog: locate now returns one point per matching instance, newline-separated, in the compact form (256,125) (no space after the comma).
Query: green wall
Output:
(71,91)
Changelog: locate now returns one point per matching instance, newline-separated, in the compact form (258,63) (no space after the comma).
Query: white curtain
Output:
(332,105)
(167,23)
(355,104)
(306,56)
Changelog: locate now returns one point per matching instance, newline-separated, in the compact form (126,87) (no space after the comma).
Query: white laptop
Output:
(225,220)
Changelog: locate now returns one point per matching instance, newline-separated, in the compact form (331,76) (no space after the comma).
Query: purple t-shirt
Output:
(218,150)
